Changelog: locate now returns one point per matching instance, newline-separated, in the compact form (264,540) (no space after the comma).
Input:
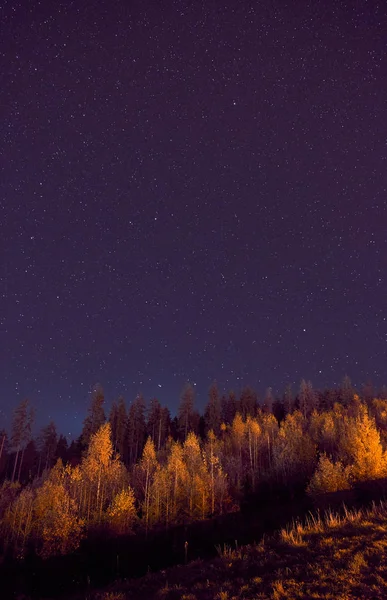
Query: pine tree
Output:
(136,429)
(118,423)
(248,403)
(47,443)
(306,398)
(95,417)
(186,411)
(229,407)
(212,414)
(268,401)
(346,391)
(288,399)
(21,432)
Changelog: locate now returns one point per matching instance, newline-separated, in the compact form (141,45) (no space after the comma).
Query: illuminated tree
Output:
(253,434)
(101,474)
(197,480)
(145,472)
(177,476)
(294,451)
(329,477)
(121,514)
(18,520)
(361,447)
(57,518)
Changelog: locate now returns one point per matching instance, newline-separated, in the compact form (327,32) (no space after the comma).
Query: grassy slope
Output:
(332,558)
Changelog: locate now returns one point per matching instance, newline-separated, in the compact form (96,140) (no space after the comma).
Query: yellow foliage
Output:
(329,477)
(361,447)
(121,514)
(56,516)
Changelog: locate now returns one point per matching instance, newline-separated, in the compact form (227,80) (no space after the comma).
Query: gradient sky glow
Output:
(190,190)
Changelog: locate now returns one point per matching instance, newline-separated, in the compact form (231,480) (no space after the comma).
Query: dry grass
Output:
(330,557)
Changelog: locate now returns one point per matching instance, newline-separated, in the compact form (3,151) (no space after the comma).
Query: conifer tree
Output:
(212,413)
(306,398)
(248,403)
(21,432)
(186,411)
(136,429)
(288,399)
(96,415)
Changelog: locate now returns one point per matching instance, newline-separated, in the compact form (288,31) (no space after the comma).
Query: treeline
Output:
(140,469)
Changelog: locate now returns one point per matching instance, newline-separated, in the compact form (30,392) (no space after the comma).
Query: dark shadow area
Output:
(101,560)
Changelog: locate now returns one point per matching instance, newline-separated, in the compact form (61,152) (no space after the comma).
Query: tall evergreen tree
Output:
(136,429)
(21,432)
(212,413)
(346,391)
(95,417)
(229,407)
(288,399)
(186,411)
(248,402)
(47,444)
(306,398)
(268,400)
(158,423)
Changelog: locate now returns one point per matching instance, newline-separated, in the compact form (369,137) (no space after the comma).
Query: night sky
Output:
(190,191)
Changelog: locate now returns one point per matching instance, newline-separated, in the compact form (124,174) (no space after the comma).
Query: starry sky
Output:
(190,190)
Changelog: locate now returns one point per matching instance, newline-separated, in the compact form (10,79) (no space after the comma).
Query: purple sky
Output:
(190,190)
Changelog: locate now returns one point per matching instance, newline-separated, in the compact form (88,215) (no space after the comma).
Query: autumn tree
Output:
(121,514)
(56,516)
(176,483)
(294,451)
(102,473)
(18,520)
(361,448)
(197,490)
(145,472)
(329,476)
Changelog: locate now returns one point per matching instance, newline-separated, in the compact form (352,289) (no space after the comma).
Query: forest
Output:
(139,471)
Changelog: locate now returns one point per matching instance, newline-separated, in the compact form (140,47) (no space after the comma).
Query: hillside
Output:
(334,557)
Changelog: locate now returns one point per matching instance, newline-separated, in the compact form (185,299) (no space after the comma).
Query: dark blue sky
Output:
(190,190)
